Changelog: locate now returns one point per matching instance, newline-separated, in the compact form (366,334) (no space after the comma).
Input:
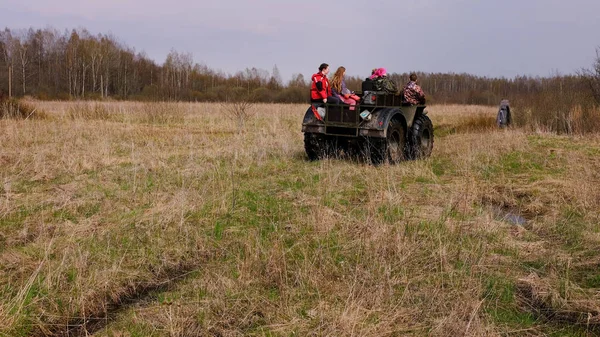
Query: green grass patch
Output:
(570,229)
(591,279)
(14,220)
(501,305)
(442,166)
(88,209)
(391,214)
(535,164)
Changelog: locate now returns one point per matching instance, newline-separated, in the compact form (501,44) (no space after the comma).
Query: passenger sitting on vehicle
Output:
(413,94)
(382,83)
(367,84)
(320,91)
(339,89)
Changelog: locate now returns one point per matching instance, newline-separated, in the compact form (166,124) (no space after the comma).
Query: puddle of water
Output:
(509,217)
(514,219)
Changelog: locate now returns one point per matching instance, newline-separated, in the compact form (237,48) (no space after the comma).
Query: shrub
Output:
(562,112)
(17,109)
(88,111)
(477,122)
(263,95)
(161,113)
(239,111)
(63,96)
(292,95)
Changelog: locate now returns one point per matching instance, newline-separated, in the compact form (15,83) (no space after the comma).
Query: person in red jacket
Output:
(320,91)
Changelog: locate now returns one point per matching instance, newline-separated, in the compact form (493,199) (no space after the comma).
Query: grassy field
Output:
(133,219)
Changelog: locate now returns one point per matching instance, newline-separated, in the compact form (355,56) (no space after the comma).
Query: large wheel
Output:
(391,148)
(421,138)
(373,150)
(314,145)
(318,146)
(395,142)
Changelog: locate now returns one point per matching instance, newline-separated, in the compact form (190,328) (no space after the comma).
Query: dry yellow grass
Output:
(132,219)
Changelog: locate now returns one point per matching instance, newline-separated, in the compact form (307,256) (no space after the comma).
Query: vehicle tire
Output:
(421,138)
(395,142)
(373,150)
(314,145)
(391,148)
(318,146)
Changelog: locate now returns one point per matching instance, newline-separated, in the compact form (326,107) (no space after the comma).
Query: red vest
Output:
(325,91)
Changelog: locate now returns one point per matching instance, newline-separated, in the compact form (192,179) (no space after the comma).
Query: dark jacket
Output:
(385,84)
(504,117)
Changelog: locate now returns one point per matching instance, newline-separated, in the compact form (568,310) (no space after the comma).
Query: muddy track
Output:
(130,295)
(537,301)
(534,293)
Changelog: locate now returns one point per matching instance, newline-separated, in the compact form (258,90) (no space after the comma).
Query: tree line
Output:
(75,64)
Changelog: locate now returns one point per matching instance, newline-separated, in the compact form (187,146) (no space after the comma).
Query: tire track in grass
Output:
(128,296)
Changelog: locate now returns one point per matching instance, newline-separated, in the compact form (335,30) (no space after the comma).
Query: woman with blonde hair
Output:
(339,89)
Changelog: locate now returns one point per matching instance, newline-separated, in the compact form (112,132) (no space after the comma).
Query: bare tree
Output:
(22,47)
(239,110)
(275,82)
(297,81)
(96,57)
(109,55)
(85,50)
(6,39)
(53,47)
(72,59)
(592,77)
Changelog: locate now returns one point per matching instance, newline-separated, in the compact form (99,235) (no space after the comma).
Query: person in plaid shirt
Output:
(413,93)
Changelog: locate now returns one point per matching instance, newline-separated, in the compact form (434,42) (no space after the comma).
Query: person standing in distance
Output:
(320,91)
(504,118)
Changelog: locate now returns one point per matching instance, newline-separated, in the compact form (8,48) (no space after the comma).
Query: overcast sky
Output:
(487,38)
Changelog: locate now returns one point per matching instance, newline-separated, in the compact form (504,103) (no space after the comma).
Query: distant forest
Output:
(48,64)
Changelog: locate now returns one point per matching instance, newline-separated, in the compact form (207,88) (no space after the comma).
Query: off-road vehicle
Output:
(381,127)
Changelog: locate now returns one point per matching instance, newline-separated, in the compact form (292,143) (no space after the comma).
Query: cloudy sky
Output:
(486,37)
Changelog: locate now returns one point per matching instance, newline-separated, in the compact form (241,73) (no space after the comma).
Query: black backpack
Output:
(368,85)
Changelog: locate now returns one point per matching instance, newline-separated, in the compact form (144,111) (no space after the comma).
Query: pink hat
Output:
(379,73)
